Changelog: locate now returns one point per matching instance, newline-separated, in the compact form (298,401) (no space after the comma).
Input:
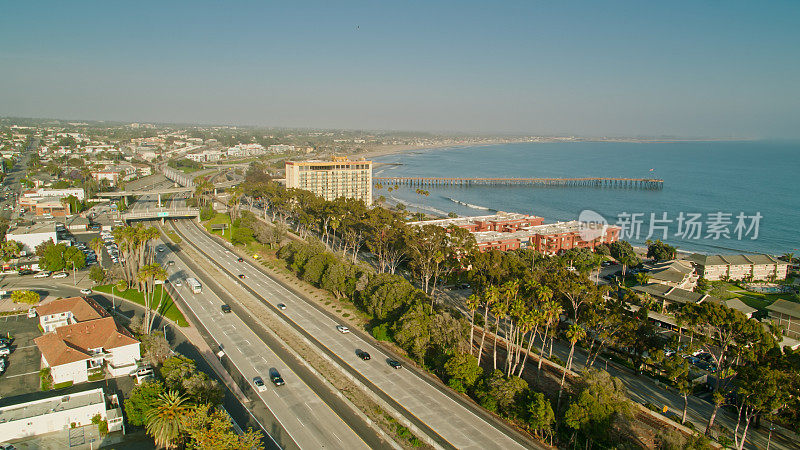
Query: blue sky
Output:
(693,69)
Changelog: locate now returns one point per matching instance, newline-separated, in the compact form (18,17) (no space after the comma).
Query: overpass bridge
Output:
(161,214)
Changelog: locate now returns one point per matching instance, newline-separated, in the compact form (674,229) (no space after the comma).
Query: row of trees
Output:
(522,296)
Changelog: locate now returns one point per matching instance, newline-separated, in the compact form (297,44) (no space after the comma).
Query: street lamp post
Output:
(74,275)
(769,437)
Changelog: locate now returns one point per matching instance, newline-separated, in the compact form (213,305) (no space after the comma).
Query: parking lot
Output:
(22,373)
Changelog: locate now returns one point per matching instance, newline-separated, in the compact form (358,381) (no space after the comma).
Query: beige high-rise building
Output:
(330,180)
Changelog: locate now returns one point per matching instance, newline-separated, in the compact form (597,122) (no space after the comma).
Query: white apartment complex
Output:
(333,179)
(740,267)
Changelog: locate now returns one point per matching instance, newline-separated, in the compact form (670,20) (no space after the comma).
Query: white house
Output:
(67,311)
(72,351)
(59,412)
(81,338)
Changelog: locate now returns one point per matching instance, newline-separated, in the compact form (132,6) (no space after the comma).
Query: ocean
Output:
(717,197)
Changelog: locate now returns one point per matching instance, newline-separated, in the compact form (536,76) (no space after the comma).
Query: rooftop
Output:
(724,260)
(82,308)
(75,342)
(45,227)
(785,307)
(52,404)
(463,221)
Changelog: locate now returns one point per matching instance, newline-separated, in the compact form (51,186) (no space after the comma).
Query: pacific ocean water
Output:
(718,180)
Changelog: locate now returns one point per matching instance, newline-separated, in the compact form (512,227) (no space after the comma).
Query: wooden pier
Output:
(623,183)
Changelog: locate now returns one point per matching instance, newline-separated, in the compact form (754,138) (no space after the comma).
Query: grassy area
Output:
(168,308)
(220,218)
(758,300)
(173,236)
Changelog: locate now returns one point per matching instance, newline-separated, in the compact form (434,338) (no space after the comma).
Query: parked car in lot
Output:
(342,329)
(42,275)
(61,275)
(259,384)
(178,283)
(5,351)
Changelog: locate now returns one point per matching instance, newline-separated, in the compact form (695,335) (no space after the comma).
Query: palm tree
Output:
(147,276)
(574,334)
(165,421)
(473,302)
(97,245)
(532,321)
(499,308)
(490,297)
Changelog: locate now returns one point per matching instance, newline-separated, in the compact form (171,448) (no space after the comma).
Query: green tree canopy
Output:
(142,398)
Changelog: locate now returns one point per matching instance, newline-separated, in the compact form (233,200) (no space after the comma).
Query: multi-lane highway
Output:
(449,421)
(306,420)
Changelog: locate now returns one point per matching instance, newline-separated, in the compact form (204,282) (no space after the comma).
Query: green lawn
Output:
(758,300)
(218,219)
(168,308)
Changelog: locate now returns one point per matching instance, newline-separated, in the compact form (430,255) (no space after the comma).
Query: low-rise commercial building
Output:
(33,235)
(46,413)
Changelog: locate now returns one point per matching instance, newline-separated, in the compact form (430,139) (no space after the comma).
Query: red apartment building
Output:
(510,231)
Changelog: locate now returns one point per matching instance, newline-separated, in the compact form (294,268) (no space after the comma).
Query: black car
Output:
(241,275)
(240,259)
(25,271)
(394,364)
(363,355)
(226,308)
(275,377)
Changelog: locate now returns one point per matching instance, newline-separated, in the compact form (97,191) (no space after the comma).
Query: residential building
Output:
(33,235)
(281,148)
(111,176)
(675,273)
(669,295)
(76,351)
(205,156)
(786,314)
(55,193)
(511,231)
(740,267)
(68,311)
(503,222)
(44,412)
(333,179)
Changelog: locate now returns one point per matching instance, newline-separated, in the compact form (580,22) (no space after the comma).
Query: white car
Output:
(342,329)
(177,283)
(5,351)
(86,291)
(42,275)
(259,383)
(61,275)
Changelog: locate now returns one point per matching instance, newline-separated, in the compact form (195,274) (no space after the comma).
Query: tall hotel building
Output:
(330,180)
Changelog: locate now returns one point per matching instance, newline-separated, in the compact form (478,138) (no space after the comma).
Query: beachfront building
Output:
(333,179)
(786,314)
(503,222)
(676,273)
(740,267)
(43,412)
(511,231)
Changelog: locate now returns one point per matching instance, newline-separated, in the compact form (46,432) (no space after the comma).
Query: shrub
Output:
(381,332)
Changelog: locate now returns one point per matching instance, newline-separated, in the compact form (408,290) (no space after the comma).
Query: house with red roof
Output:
(82,339)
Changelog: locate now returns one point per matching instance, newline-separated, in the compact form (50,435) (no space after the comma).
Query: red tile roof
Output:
(83,308)
(74,342)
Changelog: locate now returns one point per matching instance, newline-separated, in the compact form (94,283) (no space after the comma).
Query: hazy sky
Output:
(709,68)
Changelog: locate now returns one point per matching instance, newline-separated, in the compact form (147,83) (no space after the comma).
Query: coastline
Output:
(392,149)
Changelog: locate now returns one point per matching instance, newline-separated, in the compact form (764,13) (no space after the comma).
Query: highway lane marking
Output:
(299,379)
